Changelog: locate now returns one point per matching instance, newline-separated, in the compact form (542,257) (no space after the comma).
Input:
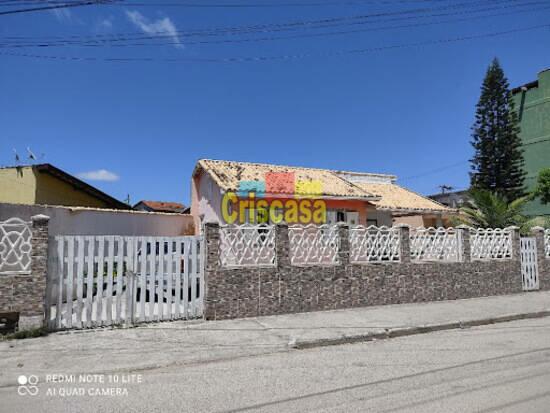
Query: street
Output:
(502,367)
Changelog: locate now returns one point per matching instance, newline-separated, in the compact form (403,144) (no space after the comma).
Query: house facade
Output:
(339,196)
(453,200)
(44,184)
(532,101)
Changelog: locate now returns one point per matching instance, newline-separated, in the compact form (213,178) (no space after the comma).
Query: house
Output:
(532,102)
(454,199)
(44,184)
(161,206)
(237,192)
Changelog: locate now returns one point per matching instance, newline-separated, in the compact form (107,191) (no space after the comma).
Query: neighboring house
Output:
(44,184)
(161,206)
(532,102)
(352,197)
(451,199)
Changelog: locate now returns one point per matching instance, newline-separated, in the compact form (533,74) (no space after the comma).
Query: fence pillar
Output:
(465,248)
(211,267)
(212,242)
(404,243)
(282,245)
(516,252)
(544,269)
(343,244)
(33,311)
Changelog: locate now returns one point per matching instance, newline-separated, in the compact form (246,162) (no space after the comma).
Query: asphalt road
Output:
(499,368)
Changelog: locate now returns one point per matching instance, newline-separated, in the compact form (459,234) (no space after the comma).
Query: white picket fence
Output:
(104,280)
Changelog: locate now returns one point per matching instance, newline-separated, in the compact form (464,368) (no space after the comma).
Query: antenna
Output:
(32,156)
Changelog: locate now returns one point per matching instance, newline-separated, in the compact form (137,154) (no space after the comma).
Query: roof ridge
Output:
(296,166)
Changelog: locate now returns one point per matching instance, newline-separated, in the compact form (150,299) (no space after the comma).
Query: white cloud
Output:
(161,27)
(99,175)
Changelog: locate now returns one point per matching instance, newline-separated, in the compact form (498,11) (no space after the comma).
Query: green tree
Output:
(486,209)
(497,165)
(543,186)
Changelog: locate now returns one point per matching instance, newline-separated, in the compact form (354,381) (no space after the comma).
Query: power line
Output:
(123,41)
(293,25)
(437,170)
(279,57)
(203,4)
(281,4)
(53,6)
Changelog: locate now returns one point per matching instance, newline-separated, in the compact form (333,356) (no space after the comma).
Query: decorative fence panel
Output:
(313,244)
(15,246)
(374,244)
(247,245)
(547,242)
(495,244)
(529,265)
(106,280)
(435,244)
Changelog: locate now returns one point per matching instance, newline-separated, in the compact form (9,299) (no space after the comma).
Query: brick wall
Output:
(25,293)
(249,291)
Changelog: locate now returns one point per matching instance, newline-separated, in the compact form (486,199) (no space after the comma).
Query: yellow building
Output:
(44,184)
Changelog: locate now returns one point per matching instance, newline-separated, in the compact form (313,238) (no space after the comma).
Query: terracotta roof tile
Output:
(382,192)
(228,175)
(164,206)
(397,198)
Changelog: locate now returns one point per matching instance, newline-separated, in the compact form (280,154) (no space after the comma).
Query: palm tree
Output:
(486,209)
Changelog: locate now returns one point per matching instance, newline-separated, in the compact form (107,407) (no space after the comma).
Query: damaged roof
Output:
(396,198)
(378,189)
(229,174)
(162,206)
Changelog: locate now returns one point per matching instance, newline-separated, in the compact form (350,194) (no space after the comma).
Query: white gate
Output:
(107,280)
(529,267)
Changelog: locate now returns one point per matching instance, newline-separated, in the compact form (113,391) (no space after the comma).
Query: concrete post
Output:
(212,243)
(282,245)
(404,243)
(516,252)
(32,312)
(212,265)
(344,246)
(543,263)
(465,248)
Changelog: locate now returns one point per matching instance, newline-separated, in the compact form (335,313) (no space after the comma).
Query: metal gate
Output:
(98,281)
(529,267)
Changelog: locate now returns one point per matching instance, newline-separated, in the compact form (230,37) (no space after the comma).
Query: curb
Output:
(409,331)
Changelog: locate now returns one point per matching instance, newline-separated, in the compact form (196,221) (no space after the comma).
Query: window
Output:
(372,222)
(341,215)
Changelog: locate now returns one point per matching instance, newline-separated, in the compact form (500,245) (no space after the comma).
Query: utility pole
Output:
(445,188)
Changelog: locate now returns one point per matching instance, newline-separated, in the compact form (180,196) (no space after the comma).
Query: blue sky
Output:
(139,126)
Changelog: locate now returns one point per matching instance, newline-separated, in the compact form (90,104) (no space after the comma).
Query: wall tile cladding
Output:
(250,292)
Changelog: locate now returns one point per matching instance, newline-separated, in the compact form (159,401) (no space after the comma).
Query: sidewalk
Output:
(182,343)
